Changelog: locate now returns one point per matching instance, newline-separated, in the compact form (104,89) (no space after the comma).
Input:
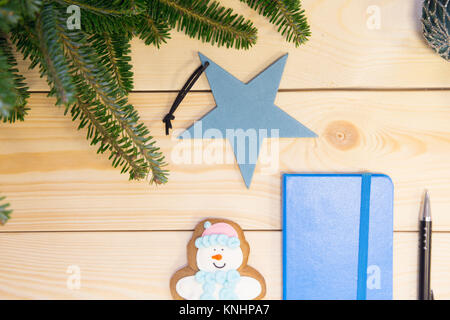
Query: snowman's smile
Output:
(219,267)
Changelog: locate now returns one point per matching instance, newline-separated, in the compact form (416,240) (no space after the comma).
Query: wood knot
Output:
(342,134)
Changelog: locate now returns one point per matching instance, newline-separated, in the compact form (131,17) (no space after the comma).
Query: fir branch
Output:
(26,41)
(103,129)
(118,16)
(14,11)
(95,23)
(114,52)
(17,114)
(101,89)
(108,7)
(4,212)
(28,8)
(52,59)
(152,30)
(8,96)
(8,17)
(13,90)
(98,88)
(207,21)
(288,15)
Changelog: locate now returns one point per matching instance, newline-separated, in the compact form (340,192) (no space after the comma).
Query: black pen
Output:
(425,292)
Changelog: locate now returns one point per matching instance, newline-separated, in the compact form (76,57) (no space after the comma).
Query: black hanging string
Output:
(187,86)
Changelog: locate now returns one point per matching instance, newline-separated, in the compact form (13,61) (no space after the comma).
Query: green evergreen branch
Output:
(114,52)
(287,15)
(95,23)
(108,7)
(53,61)
(4,212)
(17,114)
(104,129)
(27,8)
(114,17)
(106,91)
(13,90)
(8,96)
(107,16)
(101,83)
(152,30)
(8,17)
(207,21)
(27,43)
(133,149)
(14,11)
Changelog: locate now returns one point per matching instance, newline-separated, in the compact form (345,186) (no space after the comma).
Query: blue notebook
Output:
(337,236)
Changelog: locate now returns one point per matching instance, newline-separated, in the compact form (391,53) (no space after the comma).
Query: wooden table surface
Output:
(378,98)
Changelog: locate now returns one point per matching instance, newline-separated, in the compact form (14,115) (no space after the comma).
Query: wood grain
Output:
(138,265)
(56,181)
(388,122)
(343,51)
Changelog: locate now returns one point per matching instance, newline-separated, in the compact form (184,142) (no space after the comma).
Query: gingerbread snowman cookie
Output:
(217,265)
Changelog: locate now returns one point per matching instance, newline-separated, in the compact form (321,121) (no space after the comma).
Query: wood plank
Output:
(343,51)
(113,265)
(129,265)
(406,265)
(56,181)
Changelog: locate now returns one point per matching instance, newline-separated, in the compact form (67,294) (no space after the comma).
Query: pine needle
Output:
(4,212)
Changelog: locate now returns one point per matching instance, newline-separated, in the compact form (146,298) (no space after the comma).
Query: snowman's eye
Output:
(221,249)
(214,249)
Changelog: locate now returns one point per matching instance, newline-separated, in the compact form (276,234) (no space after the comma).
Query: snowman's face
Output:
(218,257)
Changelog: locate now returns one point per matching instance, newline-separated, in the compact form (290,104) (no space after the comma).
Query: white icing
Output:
(188,288)
(225,258)
(246,289)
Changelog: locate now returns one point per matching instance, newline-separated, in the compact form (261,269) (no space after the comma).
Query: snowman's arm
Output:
(188,288)
(248,288)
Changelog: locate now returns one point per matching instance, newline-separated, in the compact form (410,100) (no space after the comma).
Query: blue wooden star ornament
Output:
(245,114)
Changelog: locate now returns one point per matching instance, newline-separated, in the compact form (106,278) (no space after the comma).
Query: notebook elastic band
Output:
(363,252)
